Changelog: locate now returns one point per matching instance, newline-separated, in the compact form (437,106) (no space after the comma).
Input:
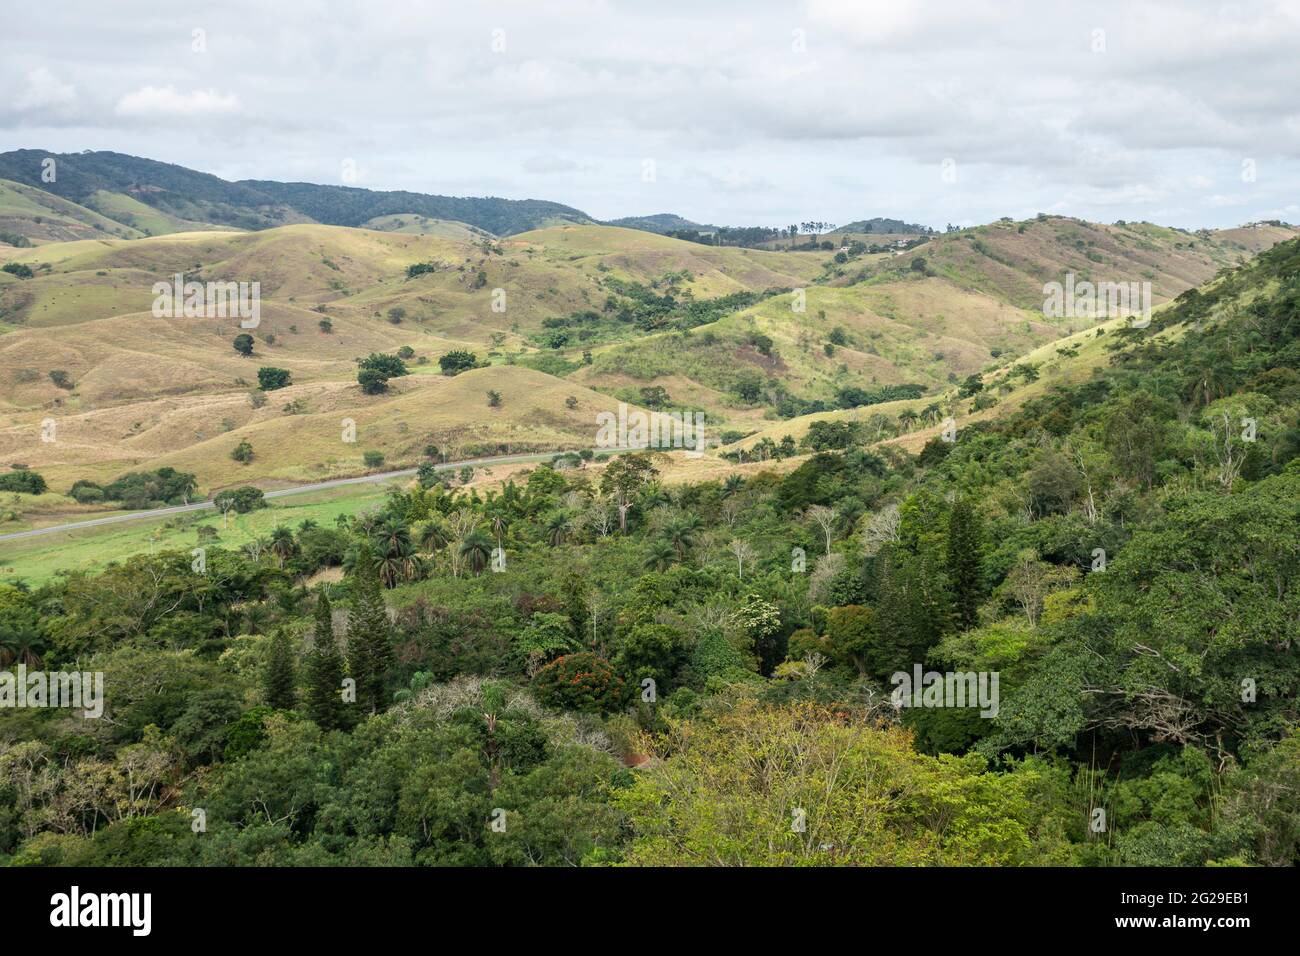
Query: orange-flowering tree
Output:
(581,682)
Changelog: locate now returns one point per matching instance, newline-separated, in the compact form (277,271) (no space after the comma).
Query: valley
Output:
(563,322)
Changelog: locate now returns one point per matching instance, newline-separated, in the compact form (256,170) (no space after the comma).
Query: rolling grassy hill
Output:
(566,321)
(1012,260)
(152,391)
(958,304)
(197,433)
(413,224)
(34,215)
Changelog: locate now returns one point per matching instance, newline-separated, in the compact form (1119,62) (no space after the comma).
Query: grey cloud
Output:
(745,125)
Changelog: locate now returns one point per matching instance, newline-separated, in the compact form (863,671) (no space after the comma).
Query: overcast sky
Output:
(738,113)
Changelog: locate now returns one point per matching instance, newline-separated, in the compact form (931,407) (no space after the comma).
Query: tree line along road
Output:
(284,492)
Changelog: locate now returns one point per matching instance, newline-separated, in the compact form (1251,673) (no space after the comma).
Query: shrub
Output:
(23,480)
(138,489)
(389,366)
(270,378)
(19,270)
(372,382)
(241,500)
(86,492)
(456,361)
(243,452)
(373,459)
(243,344)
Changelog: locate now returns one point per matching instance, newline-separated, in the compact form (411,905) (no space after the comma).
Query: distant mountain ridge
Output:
(129,196)
(93,179)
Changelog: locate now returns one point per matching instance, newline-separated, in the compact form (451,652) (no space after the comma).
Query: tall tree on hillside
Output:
(623,478)
(325,703)
(965,562)
(278,682)
(576,606)
(912,613)
(370,647)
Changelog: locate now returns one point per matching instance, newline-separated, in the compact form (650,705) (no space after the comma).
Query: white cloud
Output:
(164,102)
(44,91)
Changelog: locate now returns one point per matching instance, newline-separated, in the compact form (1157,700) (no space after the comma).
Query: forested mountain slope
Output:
(129,188)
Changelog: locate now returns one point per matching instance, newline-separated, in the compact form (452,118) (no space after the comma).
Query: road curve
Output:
(285,492)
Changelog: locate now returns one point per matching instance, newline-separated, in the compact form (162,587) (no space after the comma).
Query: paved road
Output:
(283,492)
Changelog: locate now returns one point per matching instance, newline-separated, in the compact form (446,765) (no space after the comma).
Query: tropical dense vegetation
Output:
(590,666)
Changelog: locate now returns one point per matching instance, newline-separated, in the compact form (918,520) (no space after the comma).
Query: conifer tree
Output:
(913,611)
(965,560)
(278,683)
(576,606)
(370,647)
(325,703)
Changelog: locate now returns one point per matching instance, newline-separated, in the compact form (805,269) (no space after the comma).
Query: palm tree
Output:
(282,544)
(557,528)
(652,494)
(394,553)
(662,554)
(476,549)
(433,535)
(732,485)
(394,566)
(680,532)
(391,536)
(500,522)
(20,644)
